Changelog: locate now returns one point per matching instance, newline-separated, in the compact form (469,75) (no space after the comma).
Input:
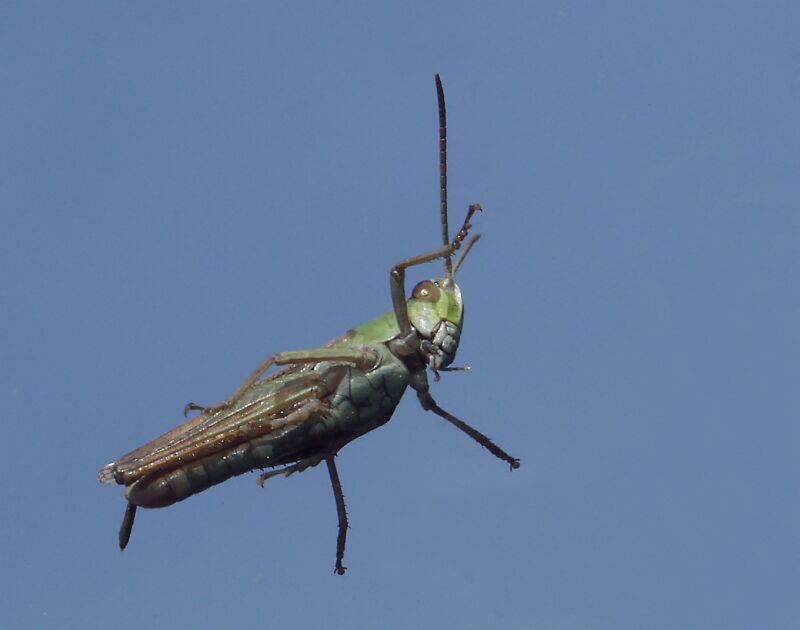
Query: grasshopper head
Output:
(436,311)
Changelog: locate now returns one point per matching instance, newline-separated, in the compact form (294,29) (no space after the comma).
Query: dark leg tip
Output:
(339,570)
(127,526)
(190,406)
(515,464)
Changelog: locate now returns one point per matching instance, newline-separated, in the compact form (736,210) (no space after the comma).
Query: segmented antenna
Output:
(448,261)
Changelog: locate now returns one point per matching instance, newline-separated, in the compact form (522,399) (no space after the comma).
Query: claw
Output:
(272,473)
(298,466)
(190,406)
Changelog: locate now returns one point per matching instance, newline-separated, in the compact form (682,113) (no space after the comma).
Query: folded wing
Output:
(254,414)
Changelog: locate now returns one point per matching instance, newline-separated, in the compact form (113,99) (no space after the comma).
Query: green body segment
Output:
(380,330)
(431,302)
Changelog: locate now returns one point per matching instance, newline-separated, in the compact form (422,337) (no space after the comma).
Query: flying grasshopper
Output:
(320,399)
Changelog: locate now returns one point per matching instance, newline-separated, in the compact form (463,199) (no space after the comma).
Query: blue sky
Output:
(186,189)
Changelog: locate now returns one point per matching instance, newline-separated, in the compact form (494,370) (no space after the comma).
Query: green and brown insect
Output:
(320,399)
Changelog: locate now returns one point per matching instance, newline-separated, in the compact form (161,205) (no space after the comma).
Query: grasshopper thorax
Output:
(436,311)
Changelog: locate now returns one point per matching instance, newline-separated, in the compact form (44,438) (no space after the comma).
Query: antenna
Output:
(464,253)
(448,261)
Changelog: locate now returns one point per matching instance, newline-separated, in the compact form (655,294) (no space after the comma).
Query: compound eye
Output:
(426,291)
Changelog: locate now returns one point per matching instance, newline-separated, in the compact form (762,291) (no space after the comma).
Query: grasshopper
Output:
(320,399)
